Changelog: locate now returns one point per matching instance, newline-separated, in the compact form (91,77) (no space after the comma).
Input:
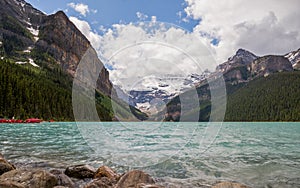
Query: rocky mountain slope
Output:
(27,33)
(46,51)
(241,70)
(160,90)
(294,58)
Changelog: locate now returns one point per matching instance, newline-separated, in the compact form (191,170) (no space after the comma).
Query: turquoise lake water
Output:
(256,154)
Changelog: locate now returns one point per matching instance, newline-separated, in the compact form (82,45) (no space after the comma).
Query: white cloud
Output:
(155,49)
(147,51)
(153,18)
(81,8)
(85,28)
(141,16)
(151,50)
(264,27)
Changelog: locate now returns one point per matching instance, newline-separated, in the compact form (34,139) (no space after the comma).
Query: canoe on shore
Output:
(30,120)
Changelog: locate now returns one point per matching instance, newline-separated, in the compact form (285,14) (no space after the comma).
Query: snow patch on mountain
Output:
(294,58)
(34,32)
(30,61)
(151,94)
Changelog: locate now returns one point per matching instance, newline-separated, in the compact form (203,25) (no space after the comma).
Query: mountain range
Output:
(258,89)
(39,56)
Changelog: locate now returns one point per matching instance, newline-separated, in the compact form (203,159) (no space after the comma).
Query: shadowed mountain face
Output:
(26,32)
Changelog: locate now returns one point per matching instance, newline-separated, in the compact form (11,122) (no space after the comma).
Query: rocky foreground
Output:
(82,176)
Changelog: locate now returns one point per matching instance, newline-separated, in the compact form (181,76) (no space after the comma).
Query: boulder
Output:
(10,184)
(5,166)
(99,183)
(28,179)
(229,185)
(105,171)
(80,171)
(62,179)
(133,179)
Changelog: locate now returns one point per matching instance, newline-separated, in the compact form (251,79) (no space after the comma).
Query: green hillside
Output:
(46,92)
(272,98)
(27,91)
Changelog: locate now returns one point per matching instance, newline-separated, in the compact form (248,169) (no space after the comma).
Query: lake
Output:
(256,154)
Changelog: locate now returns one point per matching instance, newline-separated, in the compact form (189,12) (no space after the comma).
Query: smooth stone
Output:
(28,179)
(5,166)
(133,178)
(62,179)
(99,183)
(10,184)
(105,171)
(142,185)
(80,171)
(229,185)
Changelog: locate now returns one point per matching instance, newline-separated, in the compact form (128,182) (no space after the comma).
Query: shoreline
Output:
(86,176)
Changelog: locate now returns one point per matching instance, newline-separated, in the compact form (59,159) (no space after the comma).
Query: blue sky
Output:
(109,12)
(225,27)
(231,24)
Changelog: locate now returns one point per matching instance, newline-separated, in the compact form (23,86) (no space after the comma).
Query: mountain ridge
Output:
(48,48)
(237,74)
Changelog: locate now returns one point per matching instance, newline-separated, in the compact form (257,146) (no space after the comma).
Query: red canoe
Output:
(3,121)
(33,120)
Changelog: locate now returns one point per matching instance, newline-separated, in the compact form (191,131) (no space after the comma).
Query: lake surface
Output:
(186,154)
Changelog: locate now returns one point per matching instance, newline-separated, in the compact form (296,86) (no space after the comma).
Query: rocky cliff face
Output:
(242,57)
(24,28)
(294,58)
(244,66)
(241,69)
(267,65)
(22,11)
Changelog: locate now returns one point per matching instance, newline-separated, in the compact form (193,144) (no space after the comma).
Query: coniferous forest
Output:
(27,92)
(272,98)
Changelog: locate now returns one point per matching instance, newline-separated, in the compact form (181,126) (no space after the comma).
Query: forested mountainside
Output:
(39,56)
(258,89)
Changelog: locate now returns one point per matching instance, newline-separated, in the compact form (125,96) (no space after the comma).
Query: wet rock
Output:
(229,185)
(100,183)
(134,178)
(5,166)
(10,184)
(62,179)
(142,185)
(80,171)
(105,171)
(28,179)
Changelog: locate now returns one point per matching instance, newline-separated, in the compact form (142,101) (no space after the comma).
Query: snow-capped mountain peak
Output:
(294,58)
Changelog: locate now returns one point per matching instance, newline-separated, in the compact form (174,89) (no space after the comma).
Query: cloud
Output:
(141,54)
(138,52)
(152,50)
(81,8)
(268,27)
(141,16)
(85,28)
